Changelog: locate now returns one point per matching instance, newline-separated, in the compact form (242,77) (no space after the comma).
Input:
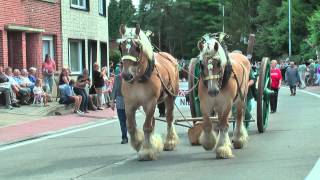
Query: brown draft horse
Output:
(148,78)
(224,83)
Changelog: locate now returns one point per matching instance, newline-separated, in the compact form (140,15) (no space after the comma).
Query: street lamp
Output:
(289,29)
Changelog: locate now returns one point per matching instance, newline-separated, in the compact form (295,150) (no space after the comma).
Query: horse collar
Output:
(147,74)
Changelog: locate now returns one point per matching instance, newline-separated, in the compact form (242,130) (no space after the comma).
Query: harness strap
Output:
(212,77)
(147,74)
(131,58)
(239,85)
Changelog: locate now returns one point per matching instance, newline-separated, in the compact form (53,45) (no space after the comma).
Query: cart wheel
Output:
(263,99)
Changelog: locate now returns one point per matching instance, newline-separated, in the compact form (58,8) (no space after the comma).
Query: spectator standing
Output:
(318,75)
(292,78)
(276,78)
(302,69)
(312,70)
(99,84)
(116,95)
(48,70)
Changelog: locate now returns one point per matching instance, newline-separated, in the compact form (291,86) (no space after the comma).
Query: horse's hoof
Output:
(239,143)
(239,140)
(224,152)
(147,155)
(171,142)
(136,140)
(208,140)
(169,145)
(151,151)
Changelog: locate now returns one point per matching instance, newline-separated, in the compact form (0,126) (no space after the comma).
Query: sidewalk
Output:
(30,122)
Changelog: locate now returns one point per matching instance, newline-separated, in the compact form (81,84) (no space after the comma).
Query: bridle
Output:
(128,46)
(210,65)
(137,60)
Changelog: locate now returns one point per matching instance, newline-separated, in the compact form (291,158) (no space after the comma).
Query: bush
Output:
(115,56)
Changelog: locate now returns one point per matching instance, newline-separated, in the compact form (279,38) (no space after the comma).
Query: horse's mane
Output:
(144,41)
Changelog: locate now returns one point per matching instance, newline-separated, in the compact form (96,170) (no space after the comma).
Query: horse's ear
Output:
(138,29)
(122,29)
(200,45)
(216,46)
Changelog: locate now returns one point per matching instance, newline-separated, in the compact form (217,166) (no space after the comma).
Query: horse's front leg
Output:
(208,138)
(223,149)
(136,136)
(152,145)
(240,135)
(172,137)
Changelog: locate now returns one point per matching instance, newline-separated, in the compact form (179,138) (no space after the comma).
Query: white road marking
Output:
(315,172)
(57,134)
(310,93)
(306,92)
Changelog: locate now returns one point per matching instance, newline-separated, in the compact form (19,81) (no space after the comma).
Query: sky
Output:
(135,3)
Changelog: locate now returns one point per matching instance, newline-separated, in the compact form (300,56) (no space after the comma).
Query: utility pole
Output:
(108,49)
(290,29)
(223,17)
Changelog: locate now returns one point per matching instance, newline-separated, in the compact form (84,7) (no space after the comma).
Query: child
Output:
(39,93)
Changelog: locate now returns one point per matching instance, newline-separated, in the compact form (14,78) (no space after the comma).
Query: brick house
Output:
(84,34)
(29,29)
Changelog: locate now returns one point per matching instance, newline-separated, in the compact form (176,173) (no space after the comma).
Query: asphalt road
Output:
(288,150)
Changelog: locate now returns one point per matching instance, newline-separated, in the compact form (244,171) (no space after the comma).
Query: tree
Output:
(122,12)
(178,25)
(314,33)
(114,22)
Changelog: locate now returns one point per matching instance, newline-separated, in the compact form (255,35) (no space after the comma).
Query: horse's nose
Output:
(127,76)
(213,92)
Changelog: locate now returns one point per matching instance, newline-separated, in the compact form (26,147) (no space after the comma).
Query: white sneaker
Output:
(79,112)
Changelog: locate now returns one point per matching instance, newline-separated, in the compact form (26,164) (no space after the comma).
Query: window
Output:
(47,46)
(75,56)
(80,4)
(102,7)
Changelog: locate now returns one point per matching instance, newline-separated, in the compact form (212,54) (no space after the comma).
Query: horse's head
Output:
(213,61)
(135,50)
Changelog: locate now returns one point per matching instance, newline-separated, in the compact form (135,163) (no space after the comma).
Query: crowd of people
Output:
(24,87)
(308,72)
(84,93)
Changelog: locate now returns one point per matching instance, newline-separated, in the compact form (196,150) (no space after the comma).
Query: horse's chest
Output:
(140,92)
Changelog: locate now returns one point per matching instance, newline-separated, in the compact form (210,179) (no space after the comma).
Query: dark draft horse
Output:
(224,83)
(148,78)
